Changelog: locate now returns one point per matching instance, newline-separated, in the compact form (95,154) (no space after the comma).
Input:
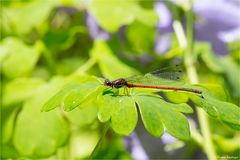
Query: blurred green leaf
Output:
(29,138)
(82,143)
(111,66)
(20,59)
(82,116)
(8,150)
(232,75)
(20,89)
(121,110)
(141,37)
(147,16)
(17,12)
(157,114)
(122,12)
(205,50)
(7,127)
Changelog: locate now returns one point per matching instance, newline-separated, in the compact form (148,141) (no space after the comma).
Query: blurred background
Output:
(44,42)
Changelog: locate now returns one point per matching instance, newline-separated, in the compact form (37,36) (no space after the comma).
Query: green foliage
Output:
(109,65)
(157,113)
(29,139)
(122,13)
(20,89)
(122,112)
(14,16)
(20,63)
(54,104)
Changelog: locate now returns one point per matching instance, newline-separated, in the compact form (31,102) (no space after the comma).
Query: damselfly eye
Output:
(107,82)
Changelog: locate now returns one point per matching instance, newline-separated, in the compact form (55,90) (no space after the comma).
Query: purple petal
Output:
(167,138)
(94,29)
(134,147)
(216,17)
(162,43)
(165,17)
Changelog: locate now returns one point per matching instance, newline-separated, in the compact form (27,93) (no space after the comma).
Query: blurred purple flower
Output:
(134,147)
(218,23)
(218,18)
(162,41)
(95,31)
(167,138)
(165,16)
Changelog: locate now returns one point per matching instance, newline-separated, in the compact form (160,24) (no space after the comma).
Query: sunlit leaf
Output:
(232,74)
(79,94)
(158,114)
(82,116)
(20,89)
(226,112)
(20,58)
(29,138)
(111,66)
(205,50)
(73,93)
(14,15)
(122,12)
(141,37)
(121,110)
(7,126)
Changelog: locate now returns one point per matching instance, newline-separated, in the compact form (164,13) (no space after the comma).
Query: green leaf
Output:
(29,138)
(122,12)
(110,65)
(79,94)
(121,110)
(57,99)
(22,62)
(205,50)
(82,143)
(141,36)
(232,72)
(7,126)
(147,17)
(74,93)
(14,16)
(174,97)
(20,89)
(83,116)
(216,90)
(226,112)
(156,114)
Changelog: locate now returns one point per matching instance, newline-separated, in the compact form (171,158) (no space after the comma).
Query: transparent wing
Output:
(160,77)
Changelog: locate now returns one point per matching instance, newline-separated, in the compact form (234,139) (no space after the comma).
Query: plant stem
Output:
(49,59)
(86,66)
(192,74)
(97,147)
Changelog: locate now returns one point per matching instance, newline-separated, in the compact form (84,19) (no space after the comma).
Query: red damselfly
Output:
(160,79)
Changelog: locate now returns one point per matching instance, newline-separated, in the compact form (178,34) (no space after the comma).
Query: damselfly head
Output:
(107,82)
